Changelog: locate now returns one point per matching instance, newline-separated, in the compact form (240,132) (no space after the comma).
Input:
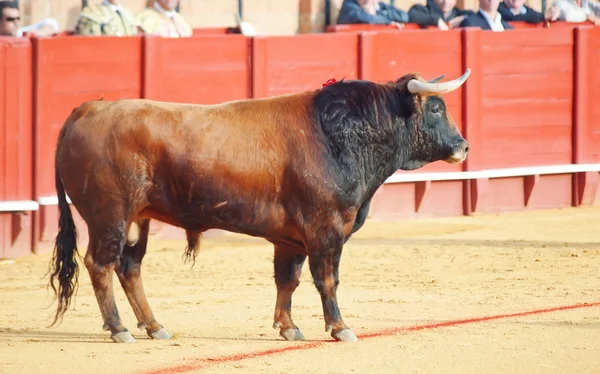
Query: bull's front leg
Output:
(324,261)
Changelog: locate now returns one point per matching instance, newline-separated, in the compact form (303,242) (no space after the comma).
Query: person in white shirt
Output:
(578,10)
(163,20)
(487,18)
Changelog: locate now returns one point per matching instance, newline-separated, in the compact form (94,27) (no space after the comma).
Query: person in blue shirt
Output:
(371,12)
(487,18)
(441,13)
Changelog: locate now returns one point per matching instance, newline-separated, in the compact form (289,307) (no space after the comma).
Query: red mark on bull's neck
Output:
(332,80)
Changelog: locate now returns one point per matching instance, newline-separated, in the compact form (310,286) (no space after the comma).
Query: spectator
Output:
(441,13)
(108,18)
(10,20)
(578,10)
(516,10)
(163,20)
(371,12)
(487,18)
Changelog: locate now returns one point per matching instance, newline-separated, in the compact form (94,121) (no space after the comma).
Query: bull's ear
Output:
(418,87)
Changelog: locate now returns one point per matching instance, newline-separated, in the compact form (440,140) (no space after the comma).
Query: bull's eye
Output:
(435,110)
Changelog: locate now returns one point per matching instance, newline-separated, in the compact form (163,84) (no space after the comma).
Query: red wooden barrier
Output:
(203,69)
(570,25)
(586,113)
(16,164)
(67,72)
(287,64)
(388,56)
(526,25)
(547,25)
(519,114)
(362,27)
(215,30)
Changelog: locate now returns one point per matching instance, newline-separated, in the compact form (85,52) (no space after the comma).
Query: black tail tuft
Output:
(63,266)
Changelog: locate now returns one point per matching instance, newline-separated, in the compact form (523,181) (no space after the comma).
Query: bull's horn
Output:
(435,80)
(433,88)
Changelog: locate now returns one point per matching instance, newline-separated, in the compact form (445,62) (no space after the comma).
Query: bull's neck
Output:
(363,160)
(362,126)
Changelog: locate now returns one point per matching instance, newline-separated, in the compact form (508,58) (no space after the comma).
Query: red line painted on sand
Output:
(204,362)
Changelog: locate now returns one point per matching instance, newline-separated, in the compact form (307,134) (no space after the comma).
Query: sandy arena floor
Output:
(394,278)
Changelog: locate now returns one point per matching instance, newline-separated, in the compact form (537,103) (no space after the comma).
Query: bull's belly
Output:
(267,220)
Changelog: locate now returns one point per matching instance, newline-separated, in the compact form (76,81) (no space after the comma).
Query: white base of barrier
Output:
(448,176)
(493,173)
(18,206)
(51,200)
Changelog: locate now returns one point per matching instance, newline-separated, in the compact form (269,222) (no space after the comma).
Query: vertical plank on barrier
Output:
(3,124)
(366,55)
(19,117)
(585,128)
(4,218)
(152,67)
(16,162)
(259,67)
(475,190)
(205,69)
(288,64)
(70,71)
(472,95)
(523,100)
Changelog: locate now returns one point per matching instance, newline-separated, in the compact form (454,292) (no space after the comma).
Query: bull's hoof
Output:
(160,334)
(345,335)
(123,337)
(291,334)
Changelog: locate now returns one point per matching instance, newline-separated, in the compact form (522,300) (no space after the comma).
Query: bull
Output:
(298,170)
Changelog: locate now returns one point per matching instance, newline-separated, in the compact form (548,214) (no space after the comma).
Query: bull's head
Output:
(437,137)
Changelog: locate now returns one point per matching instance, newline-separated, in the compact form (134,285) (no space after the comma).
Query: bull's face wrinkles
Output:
(438,136)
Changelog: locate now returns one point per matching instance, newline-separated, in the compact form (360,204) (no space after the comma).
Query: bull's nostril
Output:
(466,149)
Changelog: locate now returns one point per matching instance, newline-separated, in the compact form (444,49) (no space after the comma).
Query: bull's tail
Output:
(63,267)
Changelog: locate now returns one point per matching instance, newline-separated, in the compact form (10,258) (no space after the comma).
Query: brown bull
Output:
(297,170)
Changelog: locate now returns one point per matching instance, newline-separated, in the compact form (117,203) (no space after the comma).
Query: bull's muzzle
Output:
(459,152)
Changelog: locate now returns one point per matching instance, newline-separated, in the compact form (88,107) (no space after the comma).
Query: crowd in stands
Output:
(444,14)
(106,18)
(161,18)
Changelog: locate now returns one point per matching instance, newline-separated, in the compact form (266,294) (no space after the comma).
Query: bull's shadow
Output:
(28,335)
(494,243)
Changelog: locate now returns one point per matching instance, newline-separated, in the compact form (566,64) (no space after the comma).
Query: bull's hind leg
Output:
(104,249)
(129,272)
(288,268)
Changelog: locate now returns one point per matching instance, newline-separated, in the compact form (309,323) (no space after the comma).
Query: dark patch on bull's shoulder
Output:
(363,126)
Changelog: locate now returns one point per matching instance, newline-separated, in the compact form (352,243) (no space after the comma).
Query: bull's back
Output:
(230,161)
